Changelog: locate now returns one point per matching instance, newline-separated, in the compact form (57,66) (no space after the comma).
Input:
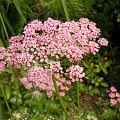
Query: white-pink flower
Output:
(113,89)
(103,42)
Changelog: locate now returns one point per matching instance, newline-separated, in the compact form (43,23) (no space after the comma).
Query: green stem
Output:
(65,9)
(78,94)
(78,100)
(6,101)
(16,83)
(60,99)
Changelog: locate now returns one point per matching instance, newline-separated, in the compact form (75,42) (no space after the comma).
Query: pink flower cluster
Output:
(114,96)
(41,78)
(4,57)
(103,42)
(42,48)
(75,72)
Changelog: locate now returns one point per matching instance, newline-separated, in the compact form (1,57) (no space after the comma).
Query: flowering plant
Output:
(48,55)
(43,49)
(114,97)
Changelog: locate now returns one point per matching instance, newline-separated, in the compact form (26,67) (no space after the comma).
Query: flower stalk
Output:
(78,100)
(60,99)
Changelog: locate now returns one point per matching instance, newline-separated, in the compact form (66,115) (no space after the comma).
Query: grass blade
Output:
(17,5)
(65,9)
(8,24)
(6,33)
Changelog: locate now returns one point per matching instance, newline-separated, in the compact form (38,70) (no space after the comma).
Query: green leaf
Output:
(97,84)
(64,117)
(1,43)
(104,69)
(82,87)
(107,63)
(91,65)
(17,94)
(8,91)
(90,87)
(28,102)
(104,84)
(65,9)
(88,4)
(95,91)
(118,19)
(23,72)
(8,24)
(100,79)
(27,95)
(86,64)
(108,113)
(52,107)
(6,43)
(14,99)
(97,70)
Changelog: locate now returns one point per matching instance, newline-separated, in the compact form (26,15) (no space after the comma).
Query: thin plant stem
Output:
(6,101)
(78,94)
(78,100)
(60,99)
(16,83)
(65,9)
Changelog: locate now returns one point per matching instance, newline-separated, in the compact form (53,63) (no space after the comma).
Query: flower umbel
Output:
(46,48)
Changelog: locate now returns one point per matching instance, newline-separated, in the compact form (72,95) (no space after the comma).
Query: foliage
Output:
(54,9)
(9,9)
